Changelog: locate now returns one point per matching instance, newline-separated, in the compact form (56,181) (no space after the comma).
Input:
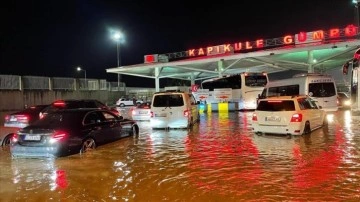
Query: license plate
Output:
(273,118)
(142,112)
(160,115)
(33,137)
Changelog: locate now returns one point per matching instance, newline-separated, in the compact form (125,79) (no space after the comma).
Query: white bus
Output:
(320,87)
(242,88)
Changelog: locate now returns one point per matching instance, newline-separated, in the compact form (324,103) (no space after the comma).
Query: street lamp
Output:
(118,36)
(80,69)
(356,9)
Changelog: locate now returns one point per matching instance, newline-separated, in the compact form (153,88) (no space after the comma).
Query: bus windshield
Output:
(255,80)
(322,89)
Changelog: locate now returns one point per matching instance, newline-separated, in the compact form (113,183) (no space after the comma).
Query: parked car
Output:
(122,102)
(70,131)
(24,117)
(141,112)
(290,115)
(344,100)
(174,109)
(74,104)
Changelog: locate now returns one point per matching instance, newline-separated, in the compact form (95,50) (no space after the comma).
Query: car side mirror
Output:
(197,102)
(121,118)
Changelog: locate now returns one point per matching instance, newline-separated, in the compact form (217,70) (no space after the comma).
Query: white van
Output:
(173,109)
(320,87)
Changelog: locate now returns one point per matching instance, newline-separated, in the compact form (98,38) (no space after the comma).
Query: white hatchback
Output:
(141,112)
(290,115)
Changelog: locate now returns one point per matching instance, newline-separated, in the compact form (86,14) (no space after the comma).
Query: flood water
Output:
(218,160)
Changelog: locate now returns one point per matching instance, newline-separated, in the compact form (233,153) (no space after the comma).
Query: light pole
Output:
(80,69)
(356,13)
(118,36)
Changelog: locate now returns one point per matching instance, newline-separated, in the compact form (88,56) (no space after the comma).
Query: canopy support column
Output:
(157,79)
(220,67)
(192,79)
(310,61)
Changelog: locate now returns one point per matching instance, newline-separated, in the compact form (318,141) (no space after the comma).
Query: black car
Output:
(75,104)
(24,117)
(70,131)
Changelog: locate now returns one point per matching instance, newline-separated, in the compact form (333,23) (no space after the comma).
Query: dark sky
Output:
(51,38)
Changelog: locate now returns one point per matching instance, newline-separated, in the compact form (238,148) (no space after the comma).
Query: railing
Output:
(14,82)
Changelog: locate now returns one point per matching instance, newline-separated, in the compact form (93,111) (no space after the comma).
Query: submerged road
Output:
(220,159)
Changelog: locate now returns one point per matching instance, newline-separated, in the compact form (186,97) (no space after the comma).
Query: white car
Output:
(122,102)
(174,109)
(141,112)
(290,115)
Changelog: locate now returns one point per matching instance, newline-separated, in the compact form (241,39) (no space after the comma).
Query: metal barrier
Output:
(36,83)
(10,82)
(14,82)
(60,83)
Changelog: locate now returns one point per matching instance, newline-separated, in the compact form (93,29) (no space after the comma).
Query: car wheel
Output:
(307,128)
(133,131)
(87,145)
(6,141)
(122,105)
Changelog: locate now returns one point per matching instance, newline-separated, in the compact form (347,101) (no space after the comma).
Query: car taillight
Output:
(296,118)
(14,138)
(133,112)
(186,113)
(254,117)
(59,103)
(7,118)
(58,136)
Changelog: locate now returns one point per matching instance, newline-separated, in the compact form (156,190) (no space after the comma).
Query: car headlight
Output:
(347,103)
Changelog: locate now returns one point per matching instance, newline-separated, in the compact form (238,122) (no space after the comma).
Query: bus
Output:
(242,89)
(320,87)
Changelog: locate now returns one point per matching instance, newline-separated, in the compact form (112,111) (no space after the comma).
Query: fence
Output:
(14,82)
(19,91)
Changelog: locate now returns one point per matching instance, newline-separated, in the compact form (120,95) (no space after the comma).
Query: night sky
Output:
(52,38)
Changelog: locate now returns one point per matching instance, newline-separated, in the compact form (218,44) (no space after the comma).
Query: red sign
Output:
(300,38)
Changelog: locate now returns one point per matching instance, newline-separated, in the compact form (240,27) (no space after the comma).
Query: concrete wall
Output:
(15,100)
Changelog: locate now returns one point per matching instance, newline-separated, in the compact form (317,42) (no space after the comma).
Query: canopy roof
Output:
(323,57)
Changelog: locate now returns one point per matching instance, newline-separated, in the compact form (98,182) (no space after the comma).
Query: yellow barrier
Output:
(223,106)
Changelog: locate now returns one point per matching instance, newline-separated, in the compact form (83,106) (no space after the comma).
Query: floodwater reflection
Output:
(219,159)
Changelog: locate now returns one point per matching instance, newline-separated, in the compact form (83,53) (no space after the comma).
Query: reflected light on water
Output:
(330,118)
(60,181)
(314,170)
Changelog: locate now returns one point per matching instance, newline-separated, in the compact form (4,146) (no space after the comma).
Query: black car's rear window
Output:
(276,105)
(173,100)
(60,119)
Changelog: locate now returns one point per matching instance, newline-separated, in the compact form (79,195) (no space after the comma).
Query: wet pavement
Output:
(220,159)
